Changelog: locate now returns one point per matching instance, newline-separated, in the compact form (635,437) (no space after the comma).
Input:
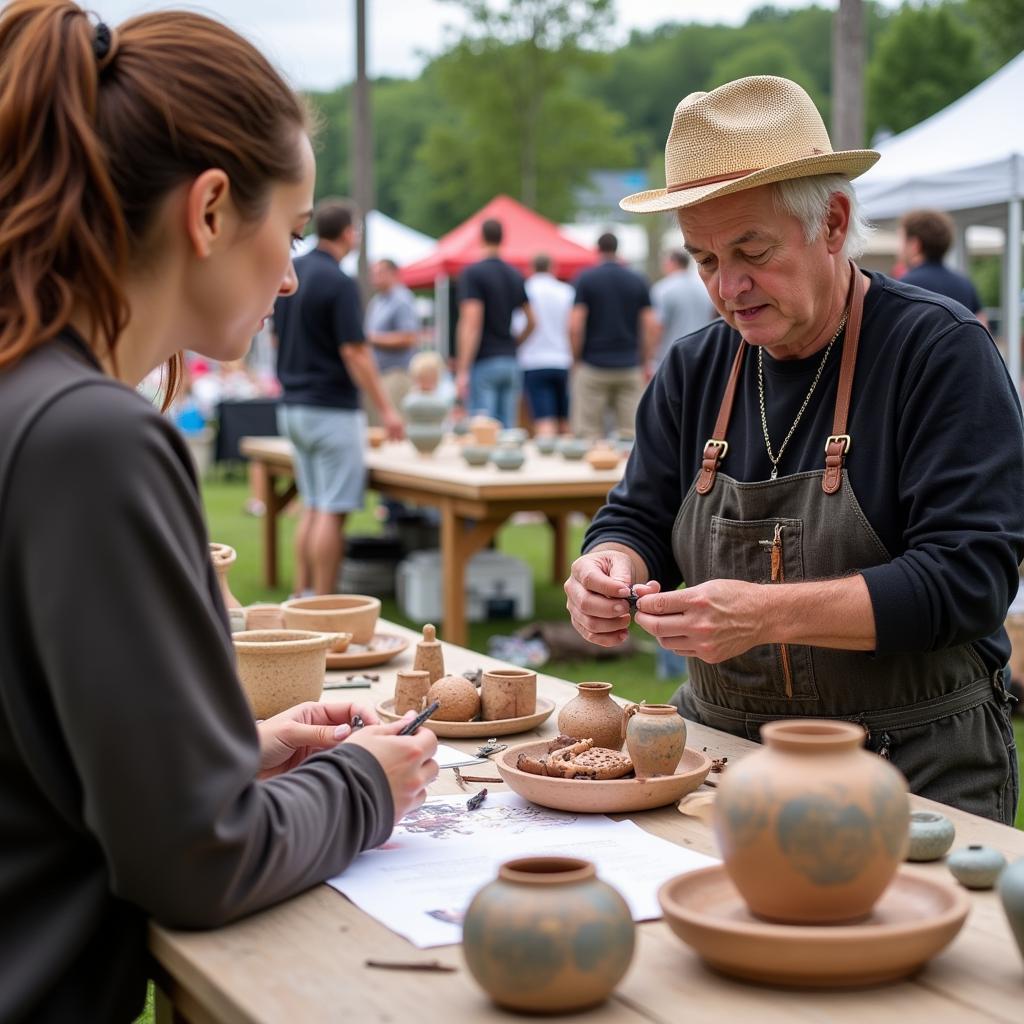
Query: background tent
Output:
(386,238)
(968,160)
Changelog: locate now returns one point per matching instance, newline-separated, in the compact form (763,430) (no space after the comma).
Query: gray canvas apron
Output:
(939,716)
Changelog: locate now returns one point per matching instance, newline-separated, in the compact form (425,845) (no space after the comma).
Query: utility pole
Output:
(848,75)
(362,144)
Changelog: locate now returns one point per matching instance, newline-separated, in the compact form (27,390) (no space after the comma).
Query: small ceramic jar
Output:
(1011,894)
(546,444)
(593,715)
(476,455)
(976,867)
(507,458)
(931,835)
(655,739)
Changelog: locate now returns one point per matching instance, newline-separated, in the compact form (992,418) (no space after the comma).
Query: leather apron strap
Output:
(838,443)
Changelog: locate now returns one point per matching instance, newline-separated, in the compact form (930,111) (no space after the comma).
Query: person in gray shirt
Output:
(680,302)
(390,325)
(155,176)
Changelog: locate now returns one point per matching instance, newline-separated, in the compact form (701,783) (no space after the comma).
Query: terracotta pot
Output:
(592,714)
(812,827)
(334,613)
(484,430)
(411,688)
(508,693)
(1011,894)
(548,936)
(223,557)
(602,457)
(264,616)
(279,668)
(429,656)
(655,739)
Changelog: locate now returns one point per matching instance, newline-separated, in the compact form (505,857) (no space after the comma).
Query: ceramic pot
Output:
(411,686)
(460,428)
(546,443)
(476,455)
(592,714)
(507,458)
(602,458)
(484,430)
(279,668)
(429,656)
(424,407)
(573,448)
(655,739)
(223,557)
(548,936)
(236,619)
(513,436)
(425,437)
(264,616)
(355,614)
(376,436)
(507,693)
(1011,895)
(976,867)
(812,827)
(931,835)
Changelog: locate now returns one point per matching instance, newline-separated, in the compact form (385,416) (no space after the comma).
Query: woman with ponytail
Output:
(152,179)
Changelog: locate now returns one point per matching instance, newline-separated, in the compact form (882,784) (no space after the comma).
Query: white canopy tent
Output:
(968,160)
(386,238)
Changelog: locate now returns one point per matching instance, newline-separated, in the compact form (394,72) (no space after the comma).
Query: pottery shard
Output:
(577,759)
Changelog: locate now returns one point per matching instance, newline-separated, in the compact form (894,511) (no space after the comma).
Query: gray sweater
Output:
(128,754)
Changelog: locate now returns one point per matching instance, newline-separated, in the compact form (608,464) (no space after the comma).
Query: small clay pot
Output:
(593,715)
(507,458)
(975,866)
(507,693)
(513,436)
(546,443)
(223,557)
(264,616)
(548,936)
(279,668)
(425,437)
(429,656)
(573,448)
(812,827)
(355,614)
(376,436)
(931,835)
(602,458)
(484,430)
(476,455)
(1011,895)
(655,739)
(411,686)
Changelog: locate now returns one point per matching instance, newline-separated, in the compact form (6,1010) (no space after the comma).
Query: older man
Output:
(835,469)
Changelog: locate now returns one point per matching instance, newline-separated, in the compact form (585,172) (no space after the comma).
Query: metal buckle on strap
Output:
(843,439)
(715,443)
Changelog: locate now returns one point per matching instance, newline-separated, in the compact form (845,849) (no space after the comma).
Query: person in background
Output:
(391,324)
(154,176)
(613,332)
(546,355)
(681,303)
(487,374)
(426,370)
(925,237)
(323,363)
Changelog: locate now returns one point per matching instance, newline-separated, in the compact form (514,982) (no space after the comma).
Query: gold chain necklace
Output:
(775,459)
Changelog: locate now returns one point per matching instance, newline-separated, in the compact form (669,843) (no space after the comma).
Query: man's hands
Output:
(597,591)
(393,424)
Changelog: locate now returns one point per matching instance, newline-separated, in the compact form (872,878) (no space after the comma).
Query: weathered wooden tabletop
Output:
(303,961)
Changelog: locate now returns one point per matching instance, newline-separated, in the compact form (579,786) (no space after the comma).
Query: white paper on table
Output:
(449,757)
(439,856)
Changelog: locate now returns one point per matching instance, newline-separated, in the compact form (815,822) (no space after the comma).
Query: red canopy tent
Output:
(525,235)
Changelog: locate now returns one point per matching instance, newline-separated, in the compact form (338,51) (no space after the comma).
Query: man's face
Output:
(760,272)
(381,277)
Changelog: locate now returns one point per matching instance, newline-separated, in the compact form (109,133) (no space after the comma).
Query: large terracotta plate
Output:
(916,917)
(611,797)
(478,730)
(381,649)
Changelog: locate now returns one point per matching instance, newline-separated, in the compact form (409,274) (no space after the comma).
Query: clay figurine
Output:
(429,655)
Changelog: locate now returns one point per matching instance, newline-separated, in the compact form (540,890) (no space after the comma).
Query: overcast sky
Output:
(312,40)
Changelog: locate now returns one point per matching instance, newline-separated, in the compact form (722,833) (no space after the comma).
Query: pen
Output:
(419,719)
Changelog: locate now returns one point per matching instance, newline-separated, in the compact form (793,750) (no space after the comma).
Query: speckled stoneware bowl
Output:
(334,613)
(279,668)
(476,454)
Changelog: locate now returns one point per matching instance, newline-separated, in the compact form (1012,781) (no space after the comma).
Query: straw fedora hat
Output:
(743,134)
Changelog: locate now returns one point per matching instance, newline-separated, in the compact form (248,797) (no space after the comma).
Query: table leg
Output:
(273,502)
(559,522)
(460,540)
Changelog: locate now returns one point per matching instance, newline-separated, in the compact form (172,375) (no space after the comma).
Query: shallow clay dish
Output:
(917,916)
(478,730)
(609,797)
(381,649)
(337,613)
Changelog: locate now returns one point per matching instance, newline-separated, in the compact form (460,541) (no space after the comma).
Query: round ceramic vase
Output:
(593,715)
(812,827)
(548,936)
(655,739)
(976,867)
(931,835)
(223,557)
(1011,894)
(424,414)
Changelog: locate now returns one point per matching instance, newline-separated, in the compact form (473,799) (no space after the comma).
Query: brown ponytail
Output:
(90,145)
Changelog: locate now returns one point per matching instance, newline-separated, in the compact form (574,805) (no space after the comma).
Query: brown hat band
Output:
(697,182)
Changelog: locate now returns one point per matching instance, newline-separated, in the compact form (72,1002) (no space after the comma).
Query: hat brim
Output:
(850,163)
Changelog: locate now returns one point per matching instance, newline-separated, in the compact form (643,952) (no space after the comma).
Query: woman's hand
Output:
(290,737)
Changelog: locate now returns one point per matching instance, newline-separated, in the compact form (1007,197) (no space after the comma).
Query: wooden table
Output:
(474,502)
(302,962)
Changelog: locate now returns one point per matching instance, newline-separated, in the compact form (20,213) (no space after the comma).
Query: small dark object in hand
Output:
(474,675)
(632,600)
(718,764)
(474,803)
(357,722)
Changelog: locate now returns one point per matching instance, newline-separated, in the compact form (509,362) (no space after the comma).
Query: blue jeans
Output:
(494,386)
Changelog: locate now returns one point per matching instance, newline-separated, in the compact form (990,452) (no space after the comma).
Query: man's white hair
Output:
(808,199)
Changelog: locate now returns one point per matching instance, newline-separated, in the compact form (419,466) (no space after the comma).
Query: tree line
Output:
(531,98)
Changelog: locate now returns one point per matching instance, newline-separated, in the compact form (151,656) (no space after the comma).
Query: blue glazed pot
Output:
(976,867)
(548,936)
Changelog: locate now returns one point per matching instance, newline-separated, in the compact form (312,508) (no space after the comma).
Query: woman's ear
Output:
(206,208)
